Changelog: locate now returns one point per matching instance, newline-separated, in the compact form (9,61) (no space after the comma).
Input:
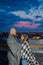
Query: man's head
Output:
(12,31)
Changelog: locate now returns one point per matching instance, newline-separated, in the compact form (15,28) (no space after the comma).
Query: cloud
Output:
(2,10)
(32,13)
(38,19)
(40,0)
(26,24)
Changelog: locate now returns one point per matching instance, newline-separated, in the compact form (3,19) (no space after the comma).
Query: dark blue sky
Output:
(24,15)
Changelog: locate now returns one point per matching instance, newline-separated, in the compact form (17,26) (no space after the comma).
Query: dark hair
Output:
(25,37)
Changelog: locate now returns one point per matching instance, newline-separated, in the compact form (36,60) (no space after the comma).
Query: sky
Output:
(23,15)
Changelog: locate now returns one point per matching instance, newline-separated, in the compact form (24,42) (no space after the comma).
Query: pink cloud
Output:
(33,25)
(27,24)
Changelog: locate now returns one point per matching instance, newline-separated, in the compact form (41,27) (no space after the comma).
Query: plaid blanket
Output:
(26,53)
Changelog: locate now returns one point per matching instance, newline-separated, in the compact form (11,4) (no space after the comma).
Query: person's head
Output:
(12,31)
(24,37)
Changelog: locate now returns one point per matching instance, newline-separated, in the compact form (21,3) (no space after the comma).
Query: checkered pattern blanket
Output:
(26,53)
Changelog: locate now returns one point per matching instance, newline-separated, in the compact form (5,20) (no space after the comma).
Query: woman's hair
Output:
(25,37)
